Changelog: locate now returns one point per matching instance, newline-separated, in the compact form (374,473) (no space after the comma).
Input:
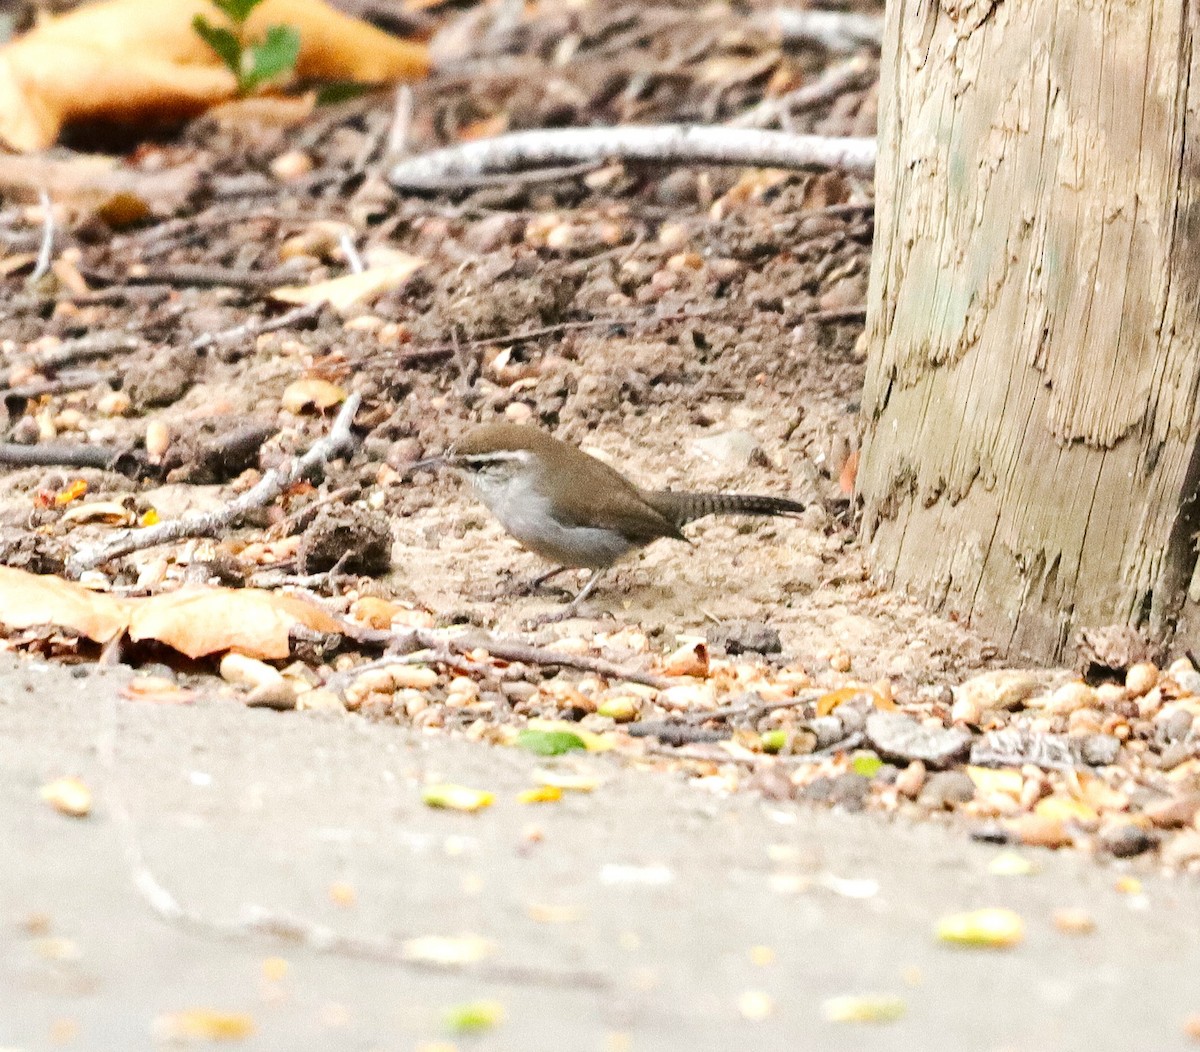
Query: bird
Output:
(574,510)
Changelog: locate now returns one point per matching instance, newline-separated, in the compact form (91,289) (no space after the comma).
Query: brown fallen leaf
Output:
(134,61)
(195,622)
(212,620)
(29,599)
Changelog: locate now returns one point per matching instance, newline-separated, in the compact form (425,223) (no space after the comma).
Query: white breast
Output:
(525,512)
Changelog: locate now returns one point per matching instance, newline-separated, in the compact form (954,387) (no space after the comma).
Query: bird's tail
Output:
(682,508)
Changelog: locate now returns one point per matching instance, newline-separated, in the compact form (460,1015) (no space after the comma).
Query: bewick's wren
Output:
(574,510)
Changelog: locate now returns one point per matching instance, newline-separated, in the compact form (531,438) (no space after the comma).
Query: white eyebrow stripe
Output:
(503,456)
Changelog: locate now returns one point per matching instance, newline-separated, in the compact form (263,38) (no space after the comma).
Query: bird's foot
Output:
(521,588)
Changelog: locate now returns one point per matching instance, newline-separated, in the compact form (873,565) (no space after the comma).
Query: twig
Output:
(659,144)
(831,84)
(409,640)
(46,250)
(257,921)
(74,380)
(439,351)
(833,30)
(198,275)
(205,524)
(396,144)
(523,653)
(86,348)
(825,317)
(71,455)
(515,180)
(350,250)
(248,330)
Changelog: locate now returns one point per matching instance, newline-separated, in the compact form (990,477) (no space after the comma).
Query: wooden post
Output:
(1032,404)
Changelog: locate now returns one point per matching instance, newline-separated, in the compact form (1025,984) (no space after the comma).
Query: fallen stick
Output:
(205,524)
(72,455)
(407,642)
(833,82)
(248,330)
(659,144)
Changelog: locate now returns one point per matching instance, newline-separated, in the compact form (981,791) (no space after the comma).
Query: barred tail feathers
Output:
(682,508)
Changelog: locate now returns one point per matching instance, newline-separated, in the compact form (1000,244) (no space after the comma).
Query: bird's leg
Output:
(519,588)
(570,609)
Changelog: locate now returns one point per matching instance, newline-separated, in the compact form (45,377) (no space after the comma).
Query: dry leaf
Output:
(29,599)
(352,290)
(109,512)
(69,796)
(197,622)
(848,474)
(312,392)
(134,61)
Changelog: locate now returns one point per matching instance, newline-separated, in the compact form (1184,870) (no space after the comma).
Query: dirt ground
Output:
(676,305)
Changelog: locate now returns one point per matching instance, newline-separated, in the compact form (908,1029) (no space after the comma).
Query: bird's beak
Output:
(428,462)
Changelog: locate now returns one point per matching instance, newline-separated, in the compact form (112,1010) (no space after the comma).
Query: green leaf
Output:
(550,743)
(237,10)
(474,1016)
(272,58)
(866,765)
(222,41)
(774,741)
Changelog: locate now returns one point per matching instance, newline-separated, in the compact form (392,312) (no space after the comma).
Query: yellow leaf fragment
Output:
(352,290)
(68,796)
(71,492)
(543,794)
(1011,864)
(1065,809)
(755,1005)
(1004,780)
(474,1017)
(869,1008)
(203,1024)
(448,950)
(992,928)
(457,797)
(311,393)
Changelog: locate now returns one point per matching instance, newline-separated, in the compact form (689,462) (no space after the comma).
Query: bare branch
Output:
(205,524)
(660,144)
(46,251)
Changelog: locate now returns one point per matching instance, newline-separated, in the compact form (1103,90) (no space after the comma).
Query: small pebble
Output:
(1124,840)
(743,637)
(1074,921)
(1002,688)
(1140,678)
(1100,750)
(945,790)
